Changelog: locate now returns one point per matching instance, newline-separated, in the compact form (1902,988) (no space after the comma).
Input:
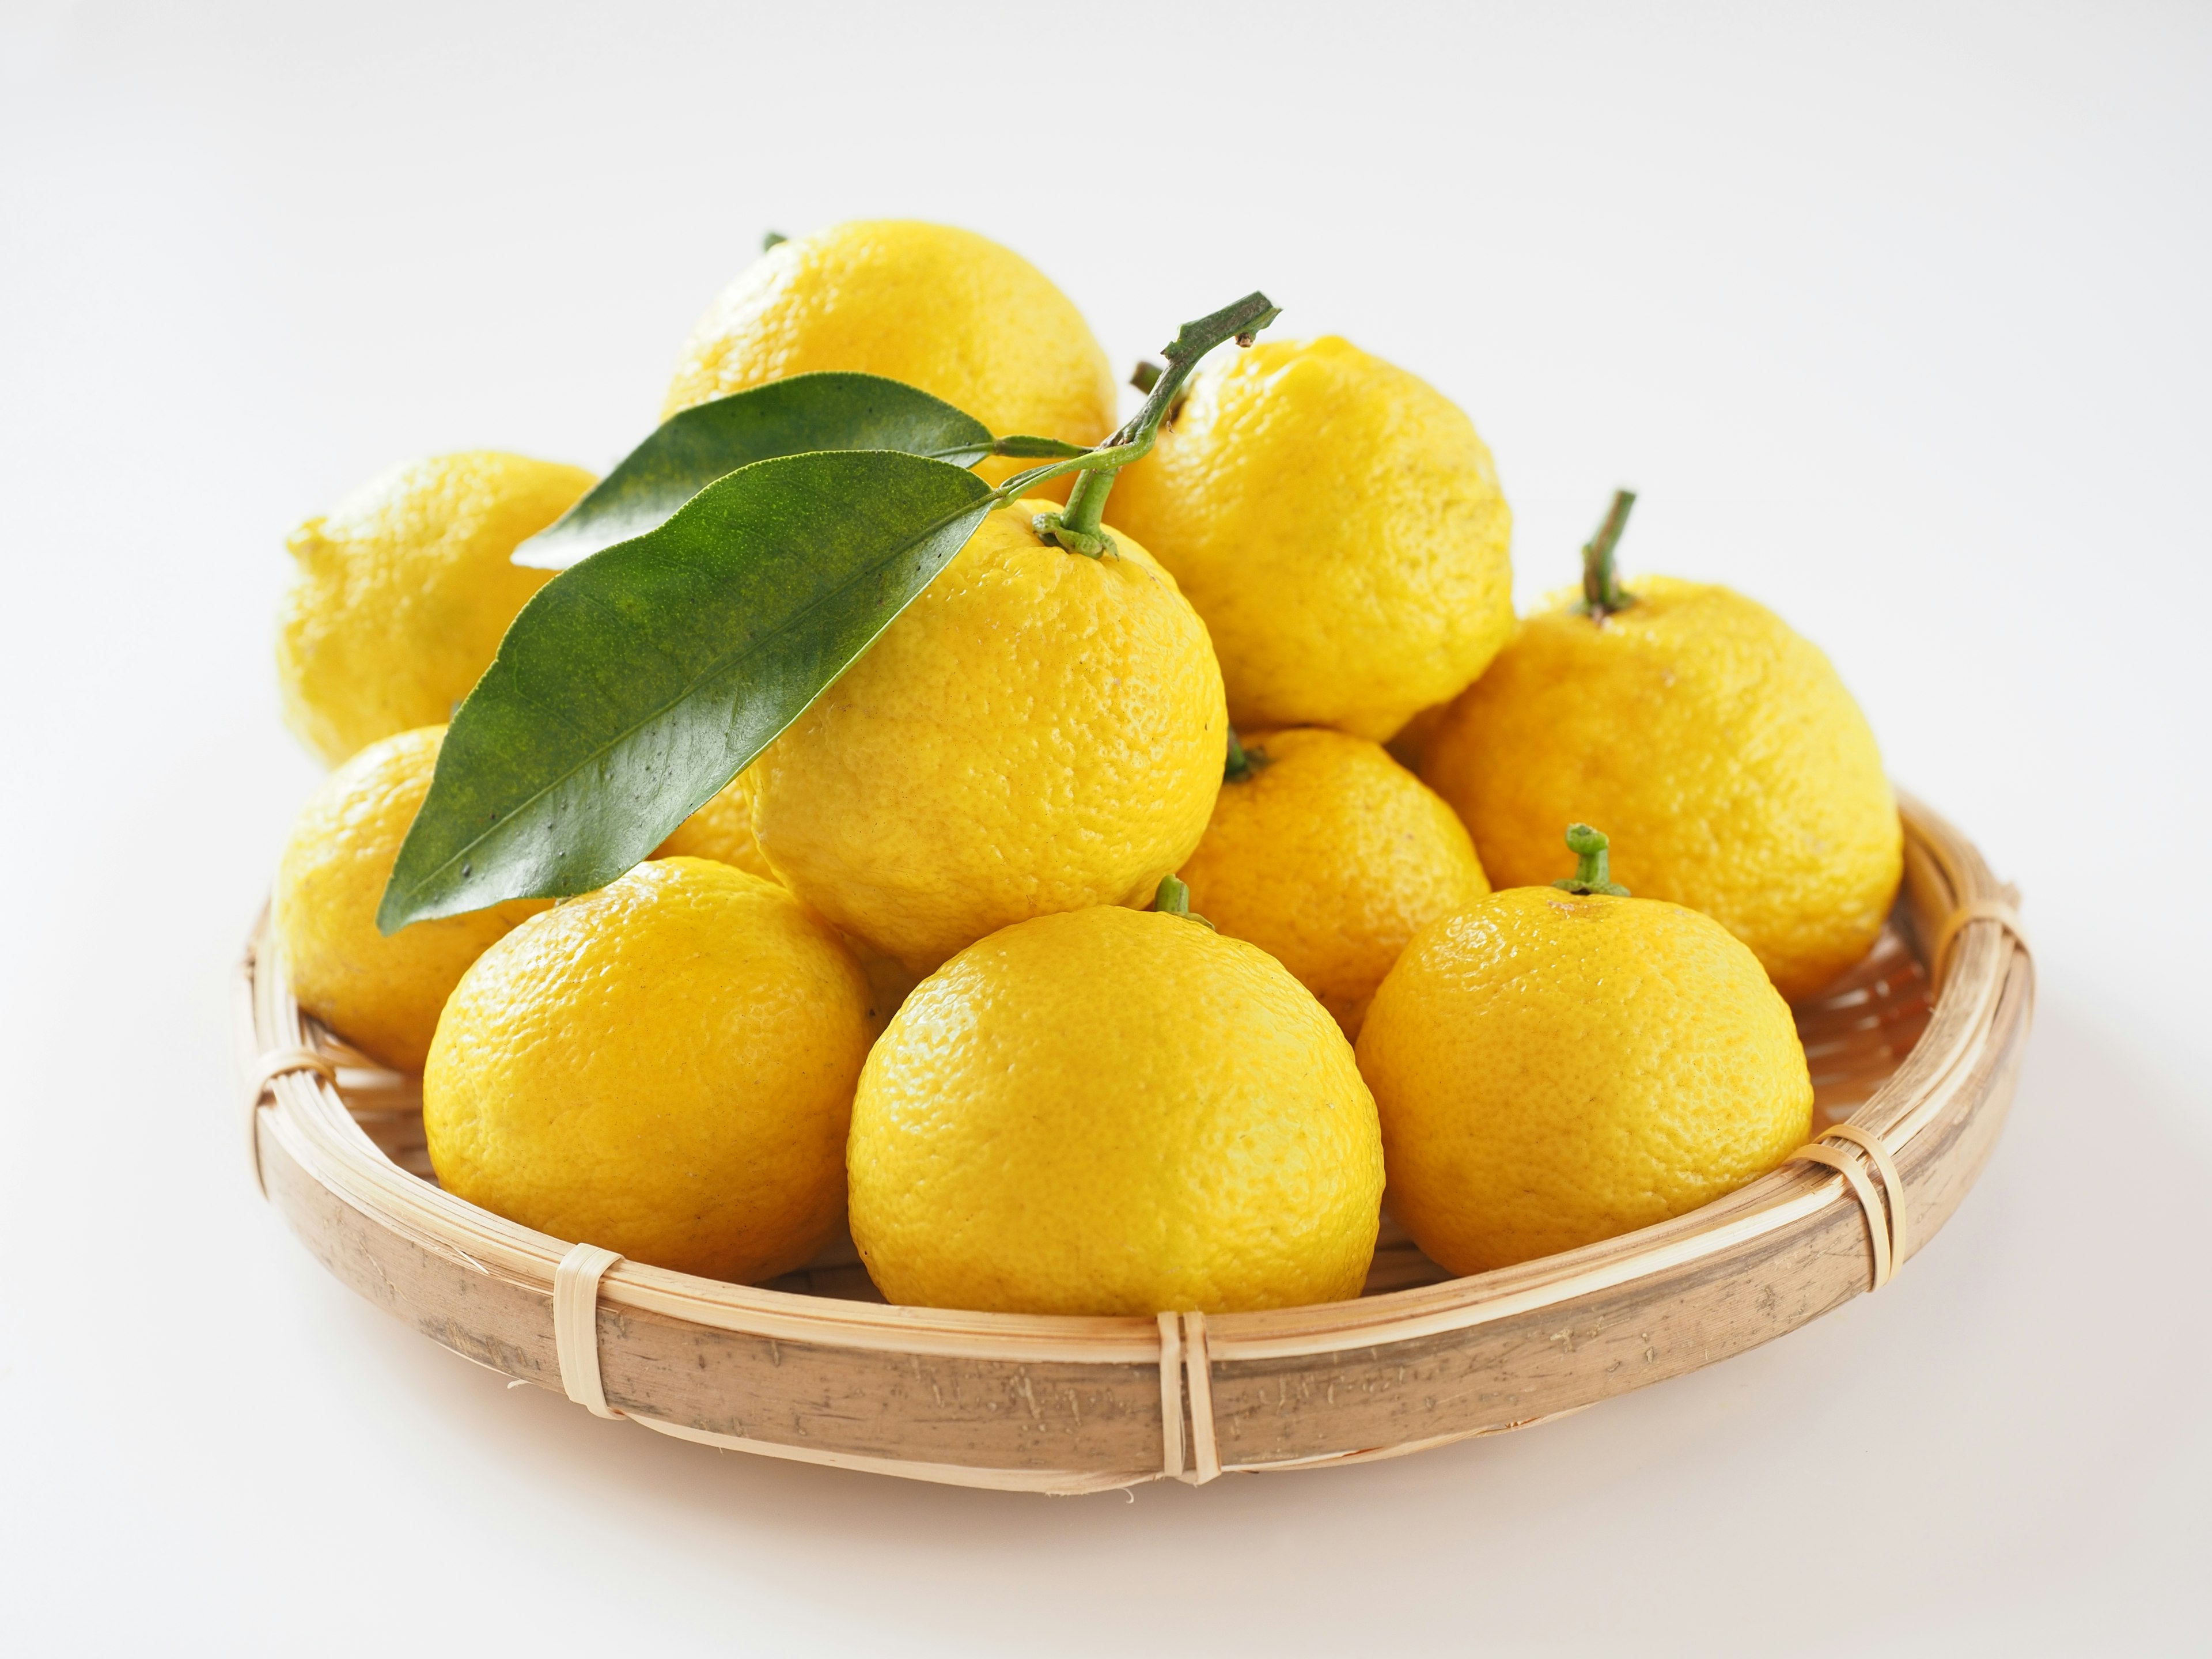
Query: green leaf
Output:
(1025,445)
(634,686)
(793,416)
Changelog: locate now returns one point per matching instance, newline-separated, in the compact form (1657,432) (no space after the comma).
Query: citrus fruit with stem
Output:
(1555,1067)
(403,592)
(664,1068)
(1113,1111)
(381,993)
(943,309)
(1037,732)
(1329,856)
(1340,526)
(1719,747)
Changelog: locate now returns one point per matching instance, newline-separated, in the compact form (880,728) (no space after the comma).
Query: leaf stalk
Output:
(1077,527)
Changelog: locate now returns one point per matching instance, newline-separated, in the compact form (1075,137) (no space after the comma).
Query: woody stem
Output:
(1600,582)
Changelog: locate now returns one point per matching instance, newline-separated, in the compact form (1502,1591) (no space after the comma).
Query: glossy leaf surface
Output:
(634,685)
(689,450)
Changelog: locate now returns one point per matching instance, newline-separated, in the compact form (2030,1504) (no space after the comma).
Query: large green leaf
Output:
(634,685)
(692,449)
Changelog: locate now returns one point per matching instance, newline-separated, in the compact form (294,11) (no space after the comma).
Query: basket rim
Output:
(1944,874)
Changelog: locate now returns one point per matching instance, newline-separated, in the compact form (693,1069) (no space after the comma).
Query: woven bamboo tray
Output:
(816,1368)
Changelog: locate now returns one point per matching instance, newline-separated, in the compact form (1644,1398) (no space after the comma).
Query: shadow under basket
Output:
(1914,1057)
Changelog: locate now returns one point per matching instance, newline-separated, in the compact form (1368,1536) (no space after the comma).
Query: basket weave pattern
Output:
(816,1368)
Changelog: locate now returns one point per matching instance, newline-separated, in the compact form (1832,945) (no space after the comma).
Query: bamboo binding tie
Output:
(1185,1364)
(1998,911)
(1885,1223)
(277,1062)
(576,1325)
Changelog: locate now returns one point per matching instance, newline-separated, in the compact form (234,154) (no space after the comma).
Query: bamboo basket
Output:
(1915,1054)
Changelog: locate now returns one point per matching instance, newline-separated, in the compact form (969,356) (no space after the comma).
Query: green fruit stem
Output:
(1602,589)
(1173,899)
(1593,871)
(1077,527)
(1243,762)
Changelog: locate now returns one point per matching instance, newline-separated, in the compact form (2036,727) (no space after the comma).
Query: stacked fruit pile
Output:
(871,821)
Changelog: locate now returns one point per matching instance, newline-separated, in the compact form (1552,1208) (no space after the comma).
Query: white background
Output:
(1897,317)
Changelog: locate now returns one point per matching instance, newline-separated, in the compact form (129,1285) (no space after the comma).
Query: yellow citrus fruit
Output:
(1114,1112)
(1553,1070)
(1037,732)
(722,830)
(1412,741)
(664,1068)
(1717,748)
(946,310)
(1339,526)
(1329,856)
(380,995)
(404,589)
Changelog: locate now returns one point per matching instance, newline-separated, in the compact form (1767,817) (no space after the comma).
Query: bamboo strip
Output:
(576,1325)
(1877,1219)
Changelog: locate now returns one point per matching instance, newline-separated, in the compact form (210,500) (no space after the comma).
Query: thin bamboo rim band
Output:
(1893,1184)
(1198,1371)
(1885,1215)
(1999,910)
(277,1062)
(1171,1448)
(576,1325)
(1187,1368)
(1065,1483)
(1877,1223)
